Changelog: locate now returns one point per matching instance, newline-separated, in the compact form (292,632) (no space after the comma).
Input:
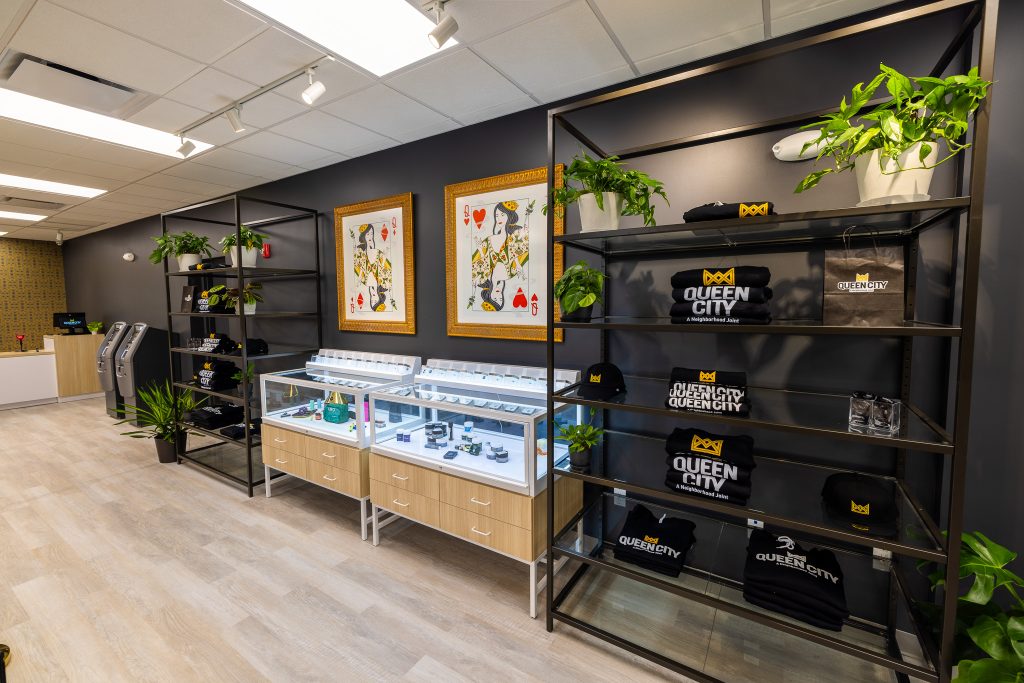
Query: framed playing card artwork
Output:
(373,242)
(496,250)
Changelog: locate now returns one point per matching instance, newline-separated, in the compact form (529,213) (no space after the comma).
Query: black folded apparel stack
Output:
(737,295)
(253,347)
(214,417)
(708,391)
(710,465)
(238,431)
(217,375)
(660,545)
(804,584)
(218,343)
(720,211)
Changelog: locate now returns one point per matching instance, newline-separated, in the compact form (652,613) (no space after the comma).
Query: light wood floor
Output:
(116,568)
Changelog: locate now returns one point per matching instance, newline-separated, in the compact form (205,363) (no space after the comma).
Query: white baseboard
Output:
(28,404)
(80,397)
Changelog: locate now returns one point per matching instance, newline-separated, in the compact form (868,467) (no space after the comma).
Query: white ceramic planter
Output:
(886,184)
(248,257)
(593,219)
(248,309)
(186,260)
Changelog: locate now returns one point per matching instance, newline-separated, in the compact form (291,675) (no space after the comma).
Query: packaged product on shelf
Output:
(660,545)
(863,286)
(710,465)
(754,295)
(717,211)
(863,503)
(708,391)
(217,375)
(738,295)
(217,343)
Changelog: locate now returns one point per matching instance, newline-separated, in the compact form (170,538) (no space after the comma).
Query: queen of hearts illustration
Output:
(501,255)
(371,262)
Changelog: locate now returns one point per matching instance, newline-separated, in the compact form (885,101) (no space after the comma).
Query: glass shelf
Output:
(256,272)
(234,396)
(775,409)
(280,351)
(257,314)
(909,328)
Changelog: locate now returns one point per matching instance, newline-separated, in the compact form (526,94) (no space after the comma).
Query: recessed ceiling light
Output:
(48,186)
(2,234)
(378,35)
(15,216)
(40,112)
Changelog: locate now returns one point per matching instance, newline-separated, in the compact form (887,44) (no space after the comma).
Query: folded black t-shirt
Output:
(217,375)
(737,449)
(707,466)
(719,320)
(721,490)
(719,307)
(680,398)
(717,211)
(212,417)
(661,545)
(218,343)
(781,562)
(797,599)
(740,276)
(755,295)
(808,617)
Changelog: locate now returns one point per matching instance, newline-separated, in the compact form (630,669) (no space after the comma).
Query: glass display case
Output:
(478,421)
(329,398)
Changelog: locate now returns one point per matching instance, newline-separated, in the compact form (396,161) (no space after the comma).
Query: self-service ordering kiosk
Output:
(105,365)
(140,360)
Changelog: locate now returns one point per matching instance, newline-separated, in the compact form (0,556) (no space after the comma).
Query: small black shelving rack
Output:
(233,458)
(582,597)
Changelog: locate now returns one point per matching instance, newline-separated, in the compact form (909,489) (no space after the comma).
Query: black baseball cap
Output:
(601,381)
(863,503)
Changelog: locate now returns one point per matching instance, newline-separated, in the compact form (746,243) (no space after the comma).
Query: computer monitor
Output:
(72,323)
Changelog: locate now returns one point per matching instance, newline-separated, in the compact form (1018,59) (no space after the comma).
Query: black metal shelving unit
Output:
(801,414)
(245,395)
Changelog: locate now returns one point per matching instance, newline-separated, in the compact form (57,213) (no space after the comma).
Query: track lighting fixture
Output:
(59,238)
(234,117)
(445,28)
(314,91)
(186,148)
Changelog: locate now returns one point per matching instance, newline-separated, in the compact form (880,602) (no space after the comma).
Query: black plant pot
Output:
(579,461)
(580,315)
(167,451)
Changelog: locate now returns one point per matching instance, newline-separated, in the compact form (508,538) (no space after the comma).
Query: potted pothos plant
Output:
(95,327)
(249,296)
(579,288)
(894,147)
(581,439)
(159,412)
(251,243)
(606,190)
(188,248)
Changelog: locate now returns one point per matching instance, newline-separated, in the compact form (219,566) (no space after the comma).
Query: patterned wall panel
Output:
(31,291)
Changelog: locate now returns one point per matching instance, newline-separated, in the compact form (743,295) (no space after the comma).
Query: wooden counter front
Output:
(76,363)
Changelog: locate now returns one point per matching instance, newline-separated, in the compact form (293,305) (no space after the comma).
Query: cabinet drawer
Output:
(335,478)
(486,500)
(487,532)
(333,454)
(405,503)
(284,439)
(404,476)
(283,460)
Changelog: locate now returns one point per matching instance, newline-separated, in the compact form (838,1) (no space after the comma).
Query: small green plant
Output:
(179,245)
(250,373)
(581,437)
(95,326)
(922,110)
(250,240)
(580,286)
(989,641)
(229,295)
(160,410)
(608,175)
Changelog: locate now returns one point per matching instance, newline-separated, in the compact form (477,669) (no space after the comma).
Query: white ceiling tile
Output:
(200,29)
(270,108)
(18,168)
(339,79)
(706,48)
(384,111)
(274,146)
(100,169)
(38,234)
(113,208)
(793,15)
(325,131)
(267,57)
(41,138)
(457,83)
(565,52)
(427,131)
(284,172)
(372,147)
(173,187)
(59,175)
(328,160)
(77,223)
(493,112)
(234,160)
(167,115)
(126,156)
(126,196)
(478,20)
(217,176)
(14,153)
(218,132)
(59,35)
(210,90)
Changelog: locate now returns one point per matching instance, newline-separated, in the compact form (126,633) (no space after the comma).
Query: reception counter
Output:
(27,379)
(76,364)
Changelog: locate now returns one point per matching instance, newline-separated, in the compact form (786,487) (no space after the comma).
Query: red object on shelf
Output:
(19,337)
(266,250)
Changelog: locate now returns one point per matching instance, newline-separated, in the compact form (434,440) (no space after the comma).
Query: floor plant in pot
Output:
(188,248)
(579,288)
(581,439)
(894,147)
(606,191)
(159,411)
(252,242)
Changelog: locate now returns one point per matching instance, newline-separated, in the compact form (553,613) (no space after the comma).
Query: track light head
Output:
(234,117)
(59,239)
(315,89)
(443,32)
(186,148)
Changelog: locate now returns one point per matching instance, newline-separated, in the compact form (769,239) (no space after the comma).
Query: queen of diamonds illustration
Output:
(372,268)
(501,256)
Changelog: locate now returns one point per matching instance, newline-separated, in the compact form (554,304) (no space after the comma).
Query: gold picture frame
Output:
(474,253)
(368,265)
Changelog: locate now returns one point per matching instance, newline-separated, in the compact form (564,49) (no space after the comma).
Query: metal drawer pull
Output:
(330,478)
(283,462)
(395,501)
(277,440)
(399,478)
(479,502)
(477,531)
(328,455)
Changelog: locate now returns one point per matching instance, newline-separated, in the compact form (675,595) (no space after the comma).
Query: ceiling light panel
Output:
(40,112)
(17,216)
(380,36)
(48,186)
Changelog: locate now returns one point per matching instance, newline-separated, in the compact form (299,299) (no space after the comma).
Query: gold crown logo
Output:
(594,379)
(650,539)
(753,210)
(511,205)
(709,446)
(708,376)
(207,366)
(863,277)
(864,509)
(718,277)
